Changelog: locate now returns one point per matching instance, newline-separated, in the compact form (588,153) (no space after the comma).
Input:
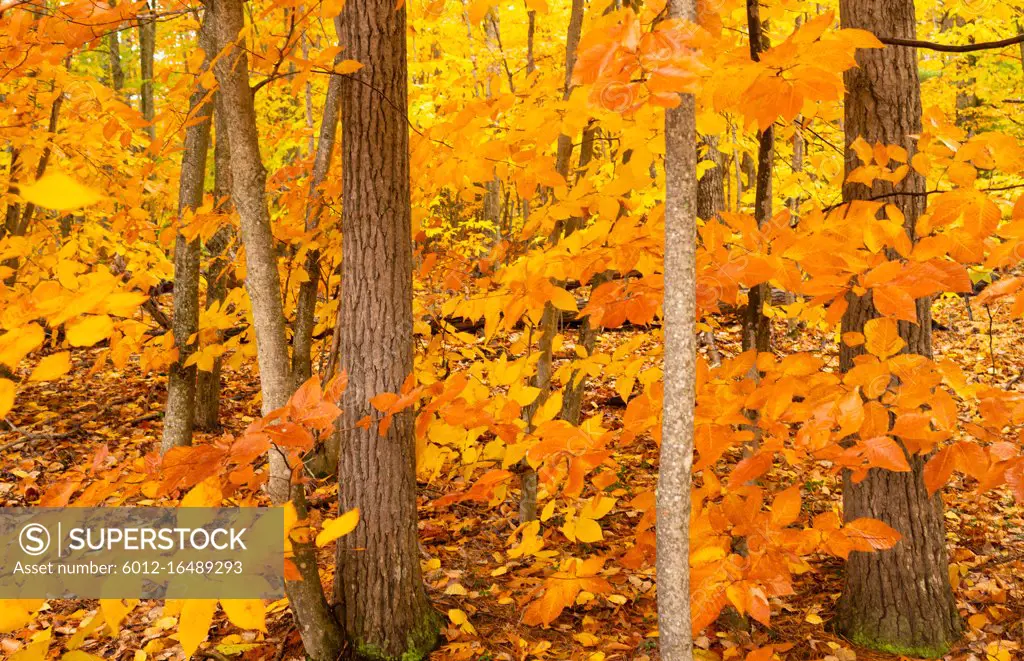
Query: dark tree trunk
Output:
(181,381)
(147,54)
(897,600)
(217,275)
(379,595)
(756,329)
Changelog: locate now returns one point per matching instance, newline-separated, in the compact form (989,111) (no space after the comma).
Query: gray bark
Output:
(675,637)
(217,275)
(321,635)
(305,306)
(147,54)
(181,381)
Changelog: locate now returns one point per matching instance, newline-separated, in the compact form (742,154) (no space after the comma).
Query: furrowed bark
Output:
(181,381)
(379,597)
(321,635)
(675,637)
(898,600)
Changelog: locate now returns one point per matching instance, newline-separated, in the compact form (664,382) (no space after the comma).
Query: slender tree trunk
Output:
(321,635)
(551,317)
(379,596)
(179,413)
(756,329)
(217,276)
(675,636)
(147,53)
(897,600)
(113,40)
(305,307)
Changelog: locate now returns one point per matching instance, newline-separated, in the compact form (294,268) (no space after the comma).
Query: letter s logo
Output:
(34,539)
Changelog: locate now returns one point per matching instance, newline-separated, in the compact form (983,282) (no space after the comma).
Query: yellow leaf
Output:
(883,338)
(114,610)
(35,650)
(87,331)
(205,494)
(588,531)
(51,367)
(563,300)
(56,190)
(18,343)
(335,528)
(813,618)
(246,613)
(6,401)
(347,66)
(16,613)
(78,655)
(194,623)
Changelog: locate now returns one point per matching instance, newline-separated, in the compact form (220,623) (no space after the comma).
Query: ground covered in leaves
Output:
(111,418)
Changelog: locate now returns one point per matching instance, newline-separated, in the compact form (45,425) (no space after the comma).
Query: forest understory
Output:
(114,418)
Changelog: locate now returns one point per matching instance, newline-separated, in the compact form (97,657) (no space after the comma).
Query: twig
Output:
(28,437)
(991,341)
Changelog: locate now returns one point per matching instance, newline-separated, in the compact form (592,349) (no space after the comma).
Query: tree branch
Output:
(952,48)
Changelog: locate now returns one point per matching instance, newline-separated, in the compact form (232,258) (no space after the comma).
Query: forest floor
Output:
(66,423)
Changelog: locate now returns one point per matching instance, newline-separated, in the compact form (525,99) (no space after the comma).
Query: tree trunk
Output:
(756,329)
(676,462)
(305,306)
(379,596)
(147,53)
(898,600)
(321,635)
(113,40)
(550,318)
(711,185)
(208,383)
(179,413)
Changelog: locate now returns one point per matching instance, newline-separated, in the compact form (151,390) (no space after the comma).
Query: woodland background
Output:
(400,269)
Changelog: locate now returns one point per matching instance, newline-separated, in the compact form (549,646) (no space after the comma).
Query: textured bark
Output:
(217,269)
(379,596)
(113,40)
(898,600)
(321,635)
(711,185)
(147,54)
(305,306)
(675,637)
(179,413)
(756,329)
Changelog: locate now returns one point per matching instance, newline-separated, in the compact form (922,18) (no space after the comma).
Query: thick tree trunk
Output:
(675,637)
(321,635)
(179,413)
(208,383)
(379,596)
(113,40)
(898,600)
(711,185)
(147,54)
